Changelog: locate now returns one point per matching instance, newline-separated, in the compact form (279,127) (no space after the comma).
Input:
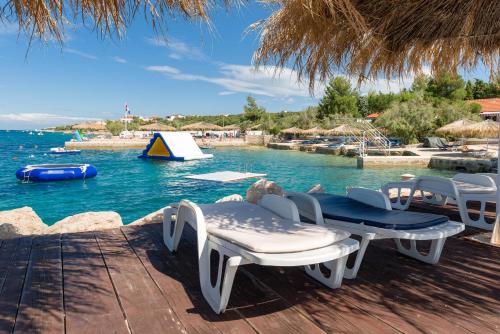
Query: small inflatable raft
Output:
(62,150)
(56,172)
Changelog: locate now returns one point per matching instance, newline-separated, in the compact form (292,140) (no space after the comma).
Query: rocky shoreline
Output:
(24,221)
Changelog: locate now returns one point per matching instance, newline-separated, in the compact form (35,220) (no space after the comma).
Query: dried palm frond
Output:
(47,18)
(368,38)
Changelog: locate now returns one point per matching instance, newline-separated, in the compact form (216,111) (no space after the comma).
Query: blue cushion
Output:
(347,209)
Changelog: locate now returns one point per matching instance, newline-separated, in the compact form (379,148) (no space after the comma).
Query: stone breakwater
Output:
(24,221)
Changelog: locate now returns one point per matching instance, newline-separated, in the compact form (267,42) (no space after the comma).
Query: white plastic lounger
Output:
(268,234)
(368,214)
(460,190)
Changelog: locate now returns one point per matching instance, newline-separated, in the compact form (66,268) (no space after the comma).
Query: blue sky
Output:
(192,71)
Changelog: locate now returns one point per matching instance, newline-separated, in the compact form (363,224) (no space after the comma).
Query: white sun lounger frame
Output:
(334,256)
(310,208)
(440,191)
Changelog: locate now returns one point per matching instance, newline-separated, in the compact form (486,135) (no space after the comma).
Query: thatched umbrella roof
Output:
(484,129)
(157,127)
(454,127)
(390,37)
(344,129)
(315,131)
(292,131)
(202,126)
(97,126)
(46,19)
(231,127)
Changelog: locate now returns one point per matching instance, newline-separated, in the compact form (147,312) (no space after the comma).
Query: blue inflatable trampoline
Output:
(56,172)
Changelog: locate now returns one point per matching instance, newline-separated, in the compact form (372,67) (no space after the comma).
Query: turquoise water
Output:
(134,187)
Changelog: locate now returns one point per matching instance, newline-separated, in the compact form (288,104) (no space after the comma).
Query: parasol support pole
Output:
(495,235)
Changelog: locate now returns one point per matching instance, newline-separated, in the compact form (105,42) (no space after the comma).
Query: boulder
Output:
(20,222)
(261,188)
(87,221)
(230,198)
(154,217)
(317,188)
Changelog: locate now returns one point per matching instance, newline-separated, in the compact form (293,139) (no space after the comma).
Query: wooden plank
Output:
(89,299)
(179,282)
(442,287)
(145,308)
(264,310)
(41,306)
(13,265)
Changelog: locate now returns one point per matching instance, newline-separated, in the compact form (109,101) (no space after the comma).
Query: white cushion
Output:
(261,231)
(470,188)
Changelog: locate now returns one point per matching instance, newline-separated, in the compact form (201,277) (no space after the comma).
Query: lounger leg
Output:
(467,220)
(435,199)
(351,273)
(432,257)
(332,280)
(171,239)
(217,296)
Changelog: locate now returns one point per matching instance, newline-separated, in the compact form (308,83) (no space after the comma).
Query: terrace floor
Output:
(124,280)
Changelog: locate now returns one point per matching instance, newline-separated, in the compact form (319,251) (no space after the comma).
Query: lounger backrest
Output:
(436,185)
(281,206)
(370,197)
(478,179)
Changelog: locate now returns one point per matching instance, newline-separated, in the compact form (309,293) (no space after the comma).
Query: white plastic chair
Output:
(460,190)
(310,208)
(268,234)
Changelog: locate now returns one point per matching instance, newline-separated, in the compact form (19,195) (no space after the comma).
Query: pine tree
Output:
(339,99)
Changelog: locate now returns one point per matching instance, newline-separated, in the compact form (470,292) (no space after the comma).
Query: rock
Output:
(87,221)
(154,217)
(20,222)
(231,198)
(261,188)
(317,188)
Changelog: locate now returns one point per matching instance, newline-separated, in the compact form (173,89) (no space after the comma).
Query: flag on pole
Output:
(127,110)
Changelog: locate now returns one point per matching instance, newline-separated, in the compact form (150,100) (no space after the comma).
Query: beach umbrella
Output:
(455,127)
(370,39)
(157,127)
(232,127)
(96,126)
(345,130)
(315,131)
(484,129)
(202,126)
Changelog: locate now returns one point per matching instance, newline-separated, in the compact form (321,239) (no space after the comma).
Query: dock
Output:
(125,281)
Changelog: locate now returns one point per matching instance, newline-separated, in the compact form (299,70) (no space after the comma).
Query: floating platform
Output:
(56,172)
(225,176)
(177,146)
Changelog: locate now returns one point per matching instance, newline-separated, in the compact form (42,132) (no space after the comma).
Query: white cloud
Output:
(8,28)
(43,118)
(267,81)
(225,92)
(175,56)
(119,60)
(179,48)
(80,53)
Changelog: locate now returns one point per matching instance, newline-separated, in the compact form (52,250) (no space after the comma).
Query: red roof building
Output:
(373,116)
(490,108)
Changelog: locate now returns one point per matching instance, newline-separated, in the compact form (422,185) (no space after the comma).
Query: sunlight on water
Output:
(134,187)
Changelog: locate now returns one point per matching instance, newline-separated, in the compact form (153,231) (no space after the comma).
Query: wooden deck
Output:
(125,280)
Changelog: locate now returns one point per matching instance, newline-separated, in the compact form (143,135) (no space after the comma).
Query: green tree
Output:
(251,111)
(115,127)
(481,90)
(469,90)
(339,99)
(363,106)
(410,120)
(379,102)
(447,86)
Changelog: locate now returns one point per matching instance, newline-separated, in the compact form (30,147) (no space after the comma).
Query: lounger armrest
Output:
(479,179)
(308,206)
(281,206)
(189,212)
(370,197)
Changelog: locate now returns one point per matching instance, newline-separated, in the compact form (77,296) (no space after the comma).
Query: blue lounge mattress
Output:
(347,209)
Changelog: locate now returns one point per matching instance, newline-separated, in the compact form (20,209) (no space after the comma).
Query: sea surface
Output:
(134,187)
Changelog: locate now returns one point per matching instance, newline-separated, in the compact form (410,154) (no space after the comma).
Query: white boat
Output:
(62,150)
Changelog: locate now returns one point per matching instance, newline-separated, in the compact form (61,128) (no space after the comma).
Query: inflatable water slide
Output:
(177,146)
